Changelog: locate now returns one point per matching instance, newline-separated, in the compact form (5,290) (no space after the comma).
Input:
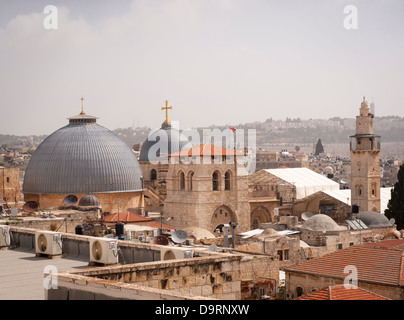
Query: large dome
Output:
(320,222)
(80,158)
(162,142)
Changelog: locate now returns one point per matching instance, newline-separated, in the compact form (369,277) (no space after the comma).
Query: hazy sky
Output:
(215,61)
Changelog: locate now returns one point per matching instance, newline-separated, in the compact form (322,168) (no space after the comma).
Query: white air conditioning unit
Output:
(4,236)
(104,250)
(174,253)
(48,243)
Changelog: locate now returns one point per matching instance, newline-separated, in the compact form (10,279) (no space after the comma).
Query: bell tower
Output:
(365,157)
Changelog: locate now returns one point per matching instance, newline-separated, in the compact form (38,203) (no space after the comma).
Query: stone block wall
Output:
(216,277)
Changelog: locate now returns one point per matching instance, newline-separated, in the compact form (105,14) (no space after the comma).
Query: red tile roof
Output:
(206,150)
(339,292)
(125,217)
(379,265)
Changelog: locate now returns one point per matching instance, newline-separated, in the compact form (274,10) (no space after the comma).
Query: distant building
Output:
(10,189)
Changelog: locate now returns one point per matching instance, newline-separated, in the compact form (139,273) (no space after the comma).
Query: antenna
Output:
(213,248)
(306,215)
(179,236)
(14,212)
(70,200)
(30,206)
(161,240)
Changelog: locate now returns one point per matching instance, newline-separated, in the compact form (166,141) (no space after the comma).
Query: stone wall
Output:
(311,283)
(216,277)
(110,202)
(10,189)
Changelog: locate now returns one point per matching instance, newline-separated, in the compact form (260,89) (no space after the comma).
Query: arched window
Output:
(190,182)
(153,174)
(215,181)
(299,291)
(227,180)
(182,181)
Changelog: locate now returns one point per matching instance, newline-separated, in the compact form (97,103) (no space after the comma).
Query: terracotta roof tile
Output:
(125,217)
(374,264)
(339,292)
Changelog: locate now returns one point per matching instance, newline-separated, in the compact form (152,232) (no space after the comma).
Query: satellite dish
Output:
(306,215)
(179,236)
(70,200)
(343,181)
(213,248)
(161,240)
(30,206)
(392,221)
(14,212)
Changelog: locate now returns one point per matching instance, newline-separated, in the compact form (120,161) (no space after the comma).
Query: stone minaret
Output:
(365,170)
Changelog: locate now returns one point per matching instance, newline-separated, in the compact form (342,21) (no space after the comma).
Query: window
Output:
(286,254)
(182,181)
(8,179)
(280,254)
(227,180)
(339,246)
(215,181)
(190,178)
(153,174)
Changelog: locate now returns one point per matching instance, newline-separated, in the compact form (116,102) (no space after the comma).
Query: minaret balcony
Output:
(364,142)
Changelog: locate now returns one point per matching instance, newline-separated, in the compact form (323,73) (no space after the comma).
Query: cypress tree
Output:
(395,206)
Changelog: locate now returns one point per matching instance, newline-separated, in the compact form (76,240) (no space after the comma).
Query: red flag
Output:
(233,129)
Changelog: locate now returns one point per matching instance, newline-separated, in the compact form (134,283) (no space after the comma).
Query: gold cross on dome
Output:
(82,107)
(166,108)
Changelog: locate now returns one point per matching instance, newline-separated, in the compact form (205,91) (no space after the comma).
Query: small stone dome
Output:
(321,222)
(89,200)
(374,219)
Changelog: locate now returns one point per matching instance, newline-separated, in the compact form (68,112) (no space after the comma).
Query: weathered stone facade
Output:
(110,202)
(207,195)
(10,188)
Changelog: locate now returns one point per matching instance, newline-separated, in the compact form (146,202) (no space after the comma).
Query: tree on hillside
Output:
(319,147)
(395,206)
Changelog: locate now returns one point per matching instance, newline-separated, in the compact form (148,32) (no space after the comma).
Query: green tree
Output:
(319,147)
(395,206)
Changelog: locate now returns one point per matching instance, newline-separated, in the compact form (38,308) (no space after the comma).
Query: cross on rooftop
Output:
(166,108)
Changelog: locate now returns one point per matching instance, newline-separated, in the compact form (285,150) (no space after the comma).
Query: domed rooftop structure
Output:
(89,200)
(162,142)
(82,158)
(321,222)
(374,219)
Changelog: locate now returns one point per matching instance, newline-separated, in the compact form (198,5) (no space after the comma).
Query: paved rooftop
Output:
(22,273)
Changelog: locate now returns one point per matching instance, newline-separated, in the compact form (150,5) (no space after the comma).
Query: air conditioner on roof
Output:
(104,250)
(174,253)
(48,243)
(4,236)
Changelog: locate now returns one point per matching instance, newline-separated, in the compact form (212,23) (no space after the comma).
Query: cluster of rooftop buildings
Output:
(188,228)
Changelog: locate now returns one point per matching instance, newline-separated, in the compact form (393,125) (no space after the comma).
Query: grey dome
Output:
(162,142)
(320,222)
(374,219)
(89,200)
(81,158)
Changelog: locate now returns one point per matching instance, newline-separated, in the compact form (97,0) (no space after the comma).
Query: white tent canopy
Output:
(305,180)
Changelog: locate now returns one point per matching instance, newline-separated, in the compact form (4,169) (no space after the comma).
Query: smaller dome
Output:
(89,200)
(374,219)
(321,222)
